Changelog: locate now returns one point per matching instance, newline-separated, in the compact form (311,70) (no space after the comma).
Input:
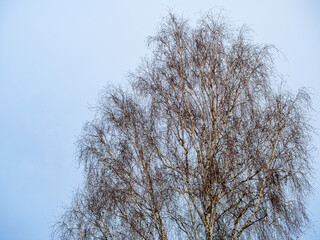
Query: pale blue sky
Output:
(55,57)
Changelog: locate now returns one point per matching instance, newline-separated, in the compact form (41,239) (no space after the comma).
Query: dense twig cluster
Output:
(201,147)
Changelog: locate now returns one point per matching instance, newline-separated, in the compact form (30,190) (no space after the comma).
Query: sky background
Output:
(57,55)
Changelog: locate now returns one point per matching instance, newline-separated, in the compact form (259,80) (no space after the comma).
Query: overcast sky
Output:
(55,57)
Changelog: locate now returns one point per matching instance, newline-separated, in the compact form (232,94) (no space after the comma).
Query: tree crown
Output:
(201,147)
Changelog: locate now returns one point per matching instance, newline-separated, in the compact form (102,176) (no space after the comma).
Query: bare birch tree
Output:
(203,145)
